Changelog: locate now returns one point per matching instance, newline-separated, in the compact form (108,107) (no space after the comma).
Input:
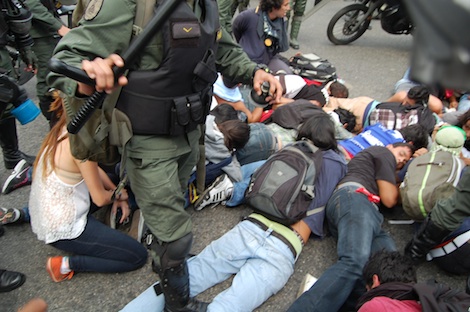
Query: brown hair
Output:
(51,141)
(236,133)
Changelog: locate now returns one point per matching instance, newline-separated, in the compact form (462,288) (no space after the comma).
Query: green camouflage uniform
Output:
(44,32)
(158,166)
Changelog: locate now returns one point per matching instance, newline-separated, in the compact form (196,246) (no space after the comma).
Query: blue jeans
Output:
(260,146)
(357,225)
(262,264)
(102,249)
(239,188)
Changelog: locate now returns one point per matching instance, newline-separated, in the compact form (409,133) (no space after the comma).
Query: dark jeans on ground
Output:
(102,249)
(357,224)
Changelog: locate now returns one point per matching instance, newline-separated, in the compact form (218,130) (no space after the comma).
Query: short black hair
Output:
(319,129)
(224,112)
(420,94)
(389,266)
(346,118)
(410,146)
(268,5)
(416,134)
(339,90)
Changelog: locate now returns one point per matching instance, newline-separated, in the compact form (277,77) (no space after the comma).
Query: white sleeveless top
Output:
(58,210)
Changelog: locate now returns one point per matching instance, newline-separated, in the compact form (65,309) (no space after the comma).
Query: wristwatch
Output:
(261,66)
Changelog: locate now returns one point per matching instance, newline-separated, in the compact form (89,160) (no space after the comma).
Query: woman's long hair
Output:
(48,148)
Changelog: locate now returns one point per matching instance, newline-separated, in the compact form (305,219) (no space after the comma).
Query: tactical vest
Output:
(175,97)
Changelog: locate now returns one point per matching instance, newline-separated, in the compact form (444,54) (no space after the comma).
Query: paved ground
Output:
(370,66)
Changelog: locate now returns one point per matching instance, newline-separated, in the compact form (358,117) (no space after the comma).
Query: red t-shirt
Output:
(385,304)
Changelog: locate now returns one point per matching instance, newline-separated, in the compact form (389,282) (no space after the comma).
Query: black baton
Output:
(128,56)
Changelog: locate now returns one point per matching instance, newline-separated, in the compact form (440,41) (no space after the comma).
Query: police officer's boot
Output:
(428,236)
(294,32)
(9,144)
(174,276)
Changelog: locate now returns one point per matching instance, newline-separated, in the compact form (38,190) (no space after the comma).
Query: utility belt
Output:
(285,234)
(449,246)
(151,115)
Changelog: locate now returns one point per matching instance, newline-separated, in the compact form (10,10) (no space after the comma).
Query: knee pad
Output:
(173,270)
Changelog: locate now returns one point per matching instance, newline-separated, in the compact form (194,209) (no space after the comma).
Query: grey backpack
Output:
(283,187)
(429,177)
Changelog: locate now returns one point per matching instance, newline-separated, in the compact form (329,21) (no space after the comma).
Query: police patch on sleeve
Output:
(92,9)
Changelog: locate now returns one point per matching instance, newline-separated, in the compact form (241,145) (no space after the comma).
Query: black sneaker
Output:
(18,178)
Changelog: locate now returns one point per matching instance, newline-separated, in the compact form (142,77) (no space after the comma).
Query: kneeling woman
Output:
(59,206)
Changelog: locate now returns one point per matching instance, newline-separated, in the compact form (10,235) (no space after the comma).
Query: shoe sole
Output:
(203,195)
(7,216)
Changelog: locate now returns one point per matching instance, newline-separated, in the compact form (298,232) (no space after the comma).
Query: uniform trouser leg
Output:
(43,49)
(298,9)
(157,177)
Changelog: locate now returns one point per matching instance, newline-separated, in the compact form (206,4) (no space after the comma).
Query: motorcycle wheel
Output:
(339,28)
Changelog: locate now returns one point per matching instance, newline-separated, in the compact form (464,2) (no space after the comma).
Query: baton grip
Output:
(85,112)
(62,68)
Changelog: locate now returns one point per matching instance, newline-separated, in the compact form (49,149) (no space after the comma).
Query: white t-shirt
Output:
(293,85)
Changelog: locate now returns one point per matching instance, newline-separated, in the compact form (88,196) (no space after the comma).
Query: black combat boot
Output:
(9,144)
(428,236)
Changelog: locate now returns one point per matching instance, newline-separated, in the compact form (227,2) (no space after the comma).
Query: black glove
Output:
(11,92)
(28,56)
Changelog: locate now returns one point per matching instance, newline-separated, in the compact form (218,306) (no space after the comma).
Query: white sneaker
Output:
(218,191)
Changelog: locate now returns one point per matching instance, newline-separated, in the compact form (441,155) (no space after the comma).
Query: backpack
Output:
(395,116)
(429,177)
(292,115)
(435,297)
(283,187)
(312,67)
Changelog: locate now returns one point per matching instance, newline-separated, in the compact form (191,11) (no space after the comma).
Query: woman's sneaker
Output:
(18,178)
(217,192)
(53,268)
(11,215)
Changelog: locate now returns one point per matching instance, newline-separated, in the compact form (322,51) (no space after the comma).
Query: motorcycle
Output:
(352,21)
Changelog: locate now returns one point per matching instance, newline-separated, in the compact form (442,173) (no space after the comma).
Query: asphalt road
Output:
(370,66)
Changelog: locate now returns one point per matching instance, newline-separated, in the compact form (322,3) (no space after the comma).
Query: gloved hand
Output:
(11,92)
(30,59)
